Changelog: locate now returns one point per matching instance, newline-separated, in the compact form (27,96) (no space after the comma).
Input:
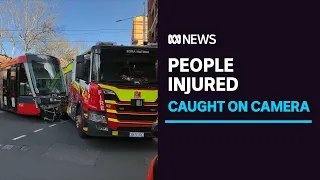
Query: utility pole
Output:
(144,21)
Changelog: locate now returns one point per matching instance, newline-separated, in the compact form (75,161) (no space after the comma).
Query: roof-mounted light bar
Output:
(107,43)
(152,44)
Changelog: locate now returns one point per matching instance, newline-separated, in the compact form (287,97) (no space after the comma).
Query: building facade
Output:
(137,30)
(153,21)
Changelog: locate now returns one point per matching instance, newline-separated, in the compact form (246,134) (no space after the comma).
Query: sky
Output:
(99,17)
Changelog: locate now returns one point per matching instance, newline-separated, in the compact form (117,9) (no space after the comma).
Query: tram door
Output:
(4,95)
(12,88)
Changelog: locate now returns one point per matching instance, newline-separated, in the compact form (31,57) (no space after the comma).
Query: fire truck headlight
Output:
(105,91)
(96,117)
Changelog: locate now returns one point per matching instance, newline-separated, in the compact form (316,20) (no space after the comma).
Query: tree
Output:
(29,23)
(2,30)
(61,49)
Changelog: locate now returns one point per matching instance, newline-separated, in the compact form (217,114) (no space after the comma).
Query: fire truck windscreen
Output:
(126,67)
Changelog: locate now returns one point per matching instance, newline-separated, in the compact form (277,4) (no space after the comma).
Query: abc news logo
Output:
(191,39)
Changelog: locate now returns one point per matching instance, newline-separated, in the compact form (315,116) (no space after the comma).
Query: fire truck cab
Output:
(114,91)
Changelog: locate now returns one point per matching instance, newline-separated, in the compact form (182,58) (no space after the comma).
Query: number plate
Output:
(103,129)
(136,134)
(137,102)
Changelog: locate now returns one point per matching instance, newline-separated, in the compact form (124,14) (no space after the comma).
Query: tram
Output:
(33,84)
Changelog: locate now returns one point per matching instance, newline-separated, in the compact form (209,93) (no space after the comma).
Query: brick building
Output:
(153,21)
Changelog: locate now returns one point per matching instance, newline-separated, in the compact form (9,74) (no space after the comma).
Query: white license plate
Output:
(139,102)
(136,134)
(104,129)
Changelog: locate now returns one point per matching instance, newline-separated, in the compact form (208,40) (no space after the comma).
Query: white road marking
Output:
(38,130)
(8,147)
(52,125)
(19,137)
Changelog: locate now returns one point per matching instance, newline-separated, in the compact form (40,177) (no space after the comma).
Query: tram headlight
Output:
(97,117)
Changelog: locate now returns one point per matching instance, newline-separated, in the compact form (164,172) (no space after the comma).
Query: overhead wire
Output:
(114,34)
(62,34)
(63,41)
(70,30)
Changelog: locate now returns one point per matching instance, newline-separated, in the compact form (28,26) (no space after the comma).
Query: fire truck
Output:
(113,90)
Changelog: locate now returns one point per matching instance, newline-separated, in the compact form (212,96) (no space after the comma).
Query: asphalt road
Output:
(32,149)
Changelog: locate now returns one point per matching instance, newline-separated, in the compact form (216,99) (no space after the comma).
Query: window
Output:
(95,67)
(86,67)
(47,76)
(120,67)
(13,80)
(4,82)
(4,75)
(8,81)
(24,84)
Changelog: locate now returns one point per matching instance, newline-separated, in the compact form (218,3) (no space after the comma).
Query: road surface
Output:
(32,149)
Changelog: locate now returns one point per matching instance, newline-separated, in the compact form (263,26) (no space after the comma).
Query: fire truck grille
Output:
(136,117)
(136,109)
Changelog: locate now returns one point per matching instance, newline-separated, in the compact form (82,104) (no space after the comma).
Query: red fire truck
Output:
(114,91)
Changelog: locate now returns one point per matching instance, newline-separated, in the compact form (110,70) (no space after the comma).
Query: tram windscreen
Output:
(46,74)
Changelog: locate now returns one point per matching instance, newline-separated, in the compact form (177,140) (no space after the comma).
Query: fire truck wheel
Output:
(65,116)
(79,123)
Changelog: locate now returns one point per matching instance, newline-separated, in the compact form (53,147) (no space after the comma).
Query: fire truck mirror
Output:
(97,51)
(80,71)
(80,59)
